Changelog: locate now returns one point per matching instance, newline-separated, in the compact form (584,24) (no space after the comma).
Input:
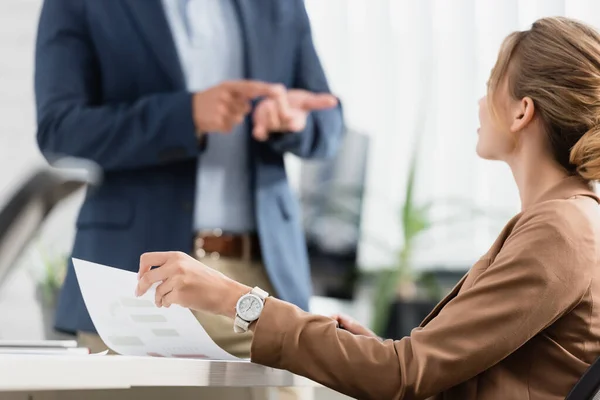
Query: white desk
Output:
(112,377)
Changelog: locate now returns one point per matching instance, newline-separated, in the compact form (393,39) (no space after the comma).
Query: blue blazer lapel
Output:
(248,14)
(150,18)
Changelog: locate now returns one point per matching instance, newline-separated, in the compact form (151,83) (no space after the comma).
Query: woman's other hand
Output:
(353,327)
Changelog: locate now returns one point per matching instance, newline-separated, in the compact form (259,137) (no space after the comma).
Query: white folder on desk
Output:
(135,326)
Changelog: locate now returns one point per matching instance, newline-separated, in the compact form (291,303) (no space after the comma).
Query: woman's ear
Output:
(522,114)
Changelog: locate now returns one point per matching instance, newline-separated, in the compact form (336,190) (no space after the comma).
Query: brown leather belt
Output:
(216,244)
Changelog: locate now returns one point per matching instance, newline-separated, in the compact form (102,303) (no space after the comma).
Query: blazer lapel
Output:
(479,267)
(152,23)
(444,301)
(248,14)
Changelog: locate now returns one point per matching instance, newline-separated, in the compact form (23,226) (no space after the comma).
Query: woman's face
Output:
(495,139)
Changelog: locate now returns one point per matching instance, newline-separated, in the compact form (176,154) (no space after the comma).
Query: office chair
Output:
(33,201)
(588,387)
(331,195)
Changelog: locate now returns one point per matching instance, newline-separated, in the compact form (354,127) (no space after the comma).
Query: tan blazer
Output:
(524,323)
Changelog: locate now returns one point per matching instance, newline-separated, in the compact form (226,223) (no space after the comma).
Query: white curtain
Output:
(408,68)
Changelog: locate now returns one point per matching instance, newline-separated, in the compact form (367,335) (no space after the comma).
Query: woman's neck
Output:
(534,176)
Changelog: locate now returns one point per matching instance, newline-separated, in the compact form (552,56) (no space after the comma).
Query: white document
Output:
(135,326)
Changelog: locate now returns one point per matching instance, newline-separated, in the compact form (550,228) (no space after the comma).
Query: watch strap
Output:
(260,293)
(240,325)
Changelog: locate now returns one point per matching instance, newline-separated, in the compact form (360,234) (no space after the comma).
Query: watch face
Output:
(249,307)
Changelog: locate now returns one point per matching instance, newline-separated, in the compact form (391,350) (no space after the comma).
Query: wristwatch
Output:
(248,309)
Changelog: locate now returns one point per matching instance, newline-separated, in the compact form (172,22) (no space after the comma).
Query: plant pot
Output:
(405,315)
(47,302)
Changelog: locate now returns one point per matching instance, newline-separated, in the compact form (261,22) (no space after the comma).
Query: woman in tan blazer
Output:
(524,323)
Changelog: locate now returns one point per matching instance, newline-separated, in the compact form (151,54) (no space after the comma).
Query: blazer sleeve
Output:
(72,119)
(324,129)
(545,259)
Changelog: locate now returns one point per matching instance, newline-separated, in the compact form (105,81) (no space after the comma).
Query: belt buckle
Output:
(246,247)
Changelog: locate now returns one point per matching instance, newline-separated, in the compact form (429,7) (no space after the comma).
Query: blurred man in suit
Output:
(189,107)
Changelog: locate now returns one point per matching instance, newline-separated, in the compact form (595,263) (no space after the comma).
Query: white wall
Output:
(383,57)
(19,157)
(19,315)
(18,153)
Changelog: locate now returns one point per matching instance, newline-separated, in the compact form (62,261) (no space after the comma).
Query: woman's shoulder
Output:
(557,240)
(577,216)
(571,225)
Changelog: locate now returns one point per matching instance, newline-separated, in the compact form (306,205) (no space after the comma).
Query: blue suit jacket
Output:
(109,88)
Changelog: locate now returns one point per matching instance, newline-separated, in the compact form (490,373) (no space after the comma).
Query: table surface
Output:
(33,372)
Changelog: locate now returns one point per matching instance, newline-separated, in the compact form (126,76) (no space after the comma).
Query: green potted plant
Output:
(398,282)
(53,270)
(403,297)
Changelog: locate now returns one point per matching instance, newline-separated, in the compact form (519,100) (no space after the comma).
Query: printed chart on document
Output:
(135,326)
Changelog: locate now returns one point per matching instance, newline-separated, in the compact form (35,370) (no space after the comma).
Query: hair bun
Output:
(585,155)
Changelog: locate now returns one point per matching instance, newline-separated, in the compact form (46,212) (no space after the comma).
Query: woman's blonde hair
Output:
(557,64)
